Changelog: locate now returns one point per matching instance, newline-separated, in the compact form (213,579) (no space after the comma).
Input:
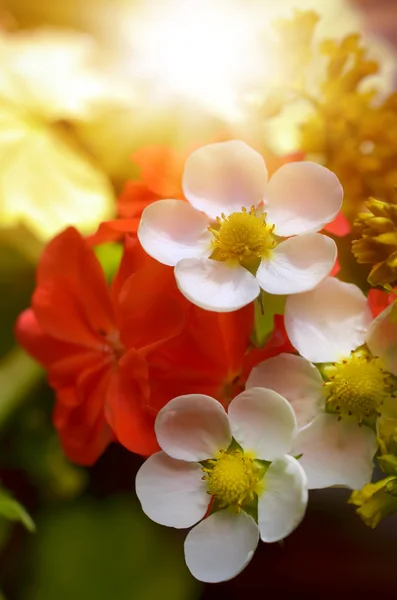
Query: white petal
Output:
(329,322)
(193,427)
(220,547)
(336,452)
(215,285)
(171,491)
(302,197)
(294,378)
(282,504)
(172,229)
(224,177)
(297,264)
(382,338)
(264,422)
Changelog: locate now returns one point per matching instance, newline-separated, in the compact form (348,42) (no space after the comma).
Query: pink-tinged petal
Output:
(262,421)
(224,177)
(221,546)
(302,197)
(171,230)
(282,504)
(336,452)
(298,264)
(193,428)
(327,323)
(171,491)
(382,338)
(214,285)
(294,378)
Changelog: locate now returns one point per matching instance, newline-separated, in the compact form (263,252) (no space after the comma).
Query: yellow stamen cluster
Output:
(233,478)
(377,245)
(242,237)
(358,386)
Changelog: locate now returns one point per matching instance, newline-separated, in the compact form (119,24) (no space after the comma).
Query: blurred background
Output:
(83,86)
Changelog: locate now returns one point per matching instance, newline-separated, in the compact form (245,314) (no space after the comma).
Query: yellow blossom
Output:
(348,126)
(376,500)
(377,242)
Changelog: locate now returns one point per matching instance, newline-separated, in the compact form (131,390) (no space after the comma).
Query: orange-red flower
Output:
(115,355)
(96,342)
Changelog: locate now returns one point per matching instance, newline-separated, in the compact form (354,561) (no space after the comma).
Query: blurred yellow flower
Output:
(377,244)
(351,129)
(348,125)
(48,180)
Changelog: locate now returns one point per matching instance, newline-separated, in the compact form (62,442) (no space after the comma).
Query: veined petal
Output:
(193,427)
(302,197)
(224,177)
(382,338)
(221,546)
(172,229)
(171,491)
(215,285)
(294,378)
(336,452)
(264,422)
(282,504)
(327,323)
(297,264)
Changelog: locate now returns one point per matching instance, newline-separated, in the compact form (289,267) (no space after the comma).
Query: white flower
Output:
(195,434)
(226,241)
(338,403)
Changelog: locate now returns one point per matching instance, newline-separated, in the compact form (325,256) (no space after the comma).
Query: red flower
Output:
(116,355)
(96,342)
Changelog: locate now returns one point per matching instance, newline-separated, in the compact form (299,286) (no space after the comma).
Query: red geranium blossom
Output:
(96,341)
(115,355)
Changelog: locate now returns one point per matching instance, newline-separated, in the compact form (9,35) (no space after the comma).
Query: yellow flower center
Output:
(242,236)
(233,478)
(358,385)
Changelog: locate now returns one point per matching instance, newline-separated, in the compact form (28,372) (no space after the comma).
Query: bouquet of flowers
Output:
(222,328)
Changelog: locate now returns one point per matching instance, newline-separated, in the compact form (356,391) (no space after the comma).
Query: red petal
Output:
(134,259)
(45,349)
(150,308)
(126,411)
(148,320)
(72,301)
(134,198)
(207,356)
(63,361)
(340,226)
(80,419)
(113,231)
(378,300)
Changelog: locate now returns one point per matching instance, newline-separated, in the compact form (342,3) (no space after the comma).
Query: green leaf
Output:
(13,511)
